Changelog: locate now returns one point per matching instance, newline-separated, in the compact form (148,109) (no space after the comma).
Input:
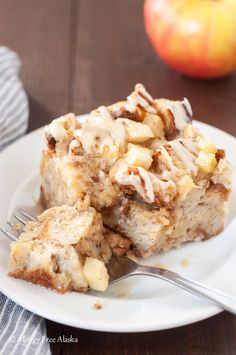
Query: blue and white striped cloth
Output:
(14,109)
(21,332)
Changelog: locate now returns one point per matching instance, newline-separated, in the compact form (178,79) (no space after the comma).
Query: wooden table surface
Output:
(77,55)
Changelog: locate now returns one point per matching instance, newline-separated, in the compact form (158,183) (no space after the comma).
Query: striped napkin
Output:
(21,332)
(14,109)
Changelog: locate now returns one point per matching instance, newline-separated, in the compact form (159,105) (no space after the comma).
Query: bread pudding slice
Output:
(64,249)
(153,176)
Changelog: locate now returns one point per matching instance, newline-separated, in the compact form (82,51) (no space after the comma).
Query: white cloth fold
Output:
(21,332)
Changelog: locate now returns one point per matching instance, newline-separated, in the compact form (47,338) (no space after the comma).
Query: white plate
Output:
(133,305)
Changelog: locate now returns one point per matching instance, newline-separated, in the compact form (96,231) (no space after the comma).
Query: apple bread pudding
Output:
(152,175)
(152,180)
(66,249)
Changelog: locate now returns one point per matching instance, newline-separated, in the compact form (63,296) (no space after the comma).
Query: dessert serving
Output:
(135,177)
(66,248)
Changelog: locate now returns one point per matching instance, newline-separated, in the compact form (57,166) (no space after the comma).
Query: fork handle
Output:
(220,299)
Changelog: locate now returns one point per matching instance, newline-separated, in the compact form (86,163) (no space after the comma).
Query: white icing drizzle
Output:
(62,130)
(190,144)
(123,177)
(171,173)
(103,135)
(150,185)
(181,110)
(57,128)
(165,189)
(117,109)
(143,100)
(188,107)
(187,158)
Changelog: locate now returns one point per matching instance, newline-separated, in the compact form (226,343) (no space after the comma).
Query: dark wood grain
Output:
(40,32)
(77,55)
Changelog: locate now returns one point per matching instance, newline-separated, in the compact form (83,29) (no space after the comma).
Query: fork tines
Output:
(21,216)
(8,234)
(27,215)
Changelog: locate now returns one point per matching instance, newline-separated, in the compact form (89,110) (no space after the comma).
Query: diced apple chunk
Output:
(96,274)
(184,186)
(137,132)
(155,123)
(139,156)
(207,146)
(191,132)
(206,162)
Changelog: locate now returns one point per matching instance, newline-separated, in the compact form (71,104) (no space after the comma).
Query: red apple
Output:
(195,37)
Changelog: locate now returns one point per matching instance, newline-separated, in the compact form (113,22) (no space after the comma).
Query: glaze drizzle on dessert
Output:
(181,110)
(112,133)
(185,156)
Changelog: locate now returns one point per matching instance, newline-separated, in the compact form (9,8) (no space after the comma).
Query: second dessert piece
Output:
(66,249)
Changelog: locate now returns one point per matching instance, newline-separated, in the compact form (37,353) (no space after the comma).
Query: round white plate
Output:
(135,304)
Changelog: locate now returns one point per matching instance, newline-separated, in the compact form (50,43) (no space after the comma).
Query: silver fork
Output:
(20,216)
(121,267)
